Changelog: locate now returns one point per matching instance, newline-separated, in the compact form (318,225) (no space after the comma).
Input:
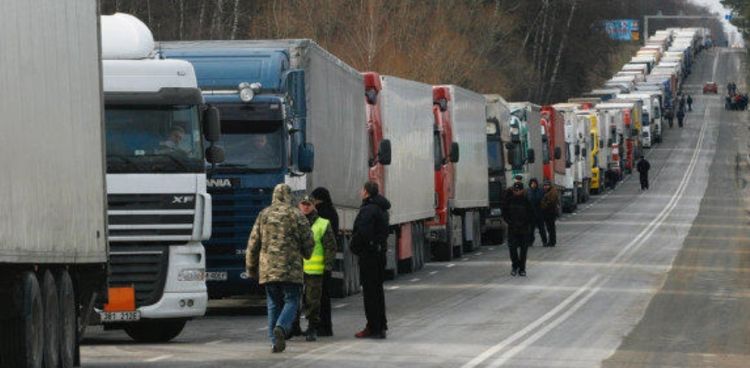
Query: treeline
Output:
(741,9)
(538,50)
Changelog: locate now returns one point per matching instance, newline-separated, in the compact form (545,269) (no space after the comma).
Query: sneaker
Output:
(522,273)
(514,272)
(280,345)
(363,334)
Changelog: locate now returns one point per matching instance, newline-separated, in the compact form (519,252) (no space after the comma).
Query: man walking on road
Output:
(643,168)
(535,194)
(280,239)
(321,261)
(517,213)
(369,237)
(680,117)
(549,204)
(690,102)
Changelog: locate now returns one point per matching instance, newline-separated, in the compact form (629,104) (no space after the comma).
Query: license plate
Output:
(120,316)
(216,276)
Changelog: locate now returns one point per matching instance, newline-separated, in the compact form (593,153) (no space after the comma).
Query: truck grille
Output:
(145,268)
(151,217)
(234,213)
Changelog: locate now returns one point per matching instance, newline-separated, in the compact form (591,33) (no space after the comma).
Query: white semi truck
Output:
(53,240)
(159,210)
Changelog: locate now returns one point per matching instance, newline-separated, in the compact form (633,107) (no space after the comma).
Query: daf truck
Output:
(159,212)
(53,236)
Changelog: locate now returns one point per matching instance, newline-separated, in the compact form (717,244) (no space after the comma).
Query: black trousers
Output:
(644,181)
(518,245)
(372,275)
(549,223)
(537,223)
(326,324)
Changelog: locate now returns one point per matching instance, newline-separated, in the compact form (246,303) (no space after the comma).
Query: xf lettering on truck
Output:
(182,199)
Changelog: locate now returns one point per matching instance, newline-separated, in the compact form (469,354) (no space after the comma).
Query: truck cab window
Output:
(257,145)
(438,150)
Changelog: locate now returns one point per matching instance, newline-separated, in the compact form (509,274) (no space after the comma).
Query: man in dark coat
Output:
(517,213)
(369,237)
(535,195)
(690,102)
(643,168)
(550,204)
(680,117)
(324,206)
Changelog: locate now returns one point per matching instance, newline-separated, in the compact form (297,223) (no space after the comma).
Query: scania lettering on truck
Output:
(278,99)
(53,245)
(460,184)
(159,210)
(400,124)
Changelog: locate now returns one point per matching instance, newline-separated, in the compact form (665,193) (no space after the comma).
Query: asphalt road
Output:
(639,279)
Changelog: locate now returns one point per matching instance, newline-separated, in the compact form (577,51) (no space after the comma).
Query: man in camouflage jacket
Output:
(279,240)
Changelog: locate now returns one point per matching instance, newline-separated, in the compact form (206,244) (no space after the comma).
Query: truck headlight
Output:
(191,274)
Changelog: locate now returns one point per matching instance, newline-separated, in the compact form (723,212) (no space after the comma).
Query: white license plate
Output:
(120,316)
(216,276)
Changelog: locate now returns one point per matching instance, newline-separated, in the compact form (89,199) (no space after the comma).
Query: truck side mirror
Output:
(306,158)
(530,155)
(610,142)
(211,124)
(558,153)
(583,152)
(577,149)
(601,143)
(454,156)
(214,154)
(384,152)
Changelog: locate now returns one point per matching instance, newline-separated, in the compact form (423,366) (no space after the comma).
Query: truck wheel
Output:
(155,331)
(21,337)
(458,249)
(68,318)
(51,321)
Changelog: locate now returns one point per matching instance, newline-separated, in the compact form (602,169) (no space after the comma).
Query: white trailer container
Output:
(406,111)
(53,248)
(469,128)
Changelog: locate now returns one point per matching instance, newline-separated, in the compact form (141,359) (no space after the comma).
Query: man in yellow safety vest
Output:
(322,259)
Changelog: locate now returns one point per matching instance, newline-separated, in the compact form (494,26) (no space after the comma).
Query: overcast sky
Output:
(715,5)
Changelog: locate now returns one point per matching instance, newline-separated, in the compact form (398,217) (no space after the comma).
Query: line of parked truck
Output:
(193,137)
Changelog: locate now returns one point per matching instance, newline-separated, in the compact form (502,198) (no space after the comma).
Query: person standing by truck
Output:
(321,261)
(370,233)
(535,195)
(324,206)
(281,237)
(643,168)
(680,117)
(550,201)
(518,214)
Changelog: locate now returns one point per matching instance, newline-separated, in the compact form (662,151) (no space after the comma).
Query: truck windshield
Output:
(495,154)
(147,138)
(252,145)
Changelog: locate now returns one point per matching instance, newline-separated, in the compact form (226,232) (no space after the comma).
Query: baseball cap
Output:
(307,199)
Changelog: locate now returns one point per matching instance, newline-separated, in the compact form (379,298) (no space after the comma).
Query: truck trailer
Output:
(53,235)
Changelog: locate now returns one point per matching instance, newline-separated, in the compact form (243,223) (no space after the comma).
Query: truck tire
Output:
(155,331)
(51,353)
(442,251)
(458,249)
(68,320)
(21,337)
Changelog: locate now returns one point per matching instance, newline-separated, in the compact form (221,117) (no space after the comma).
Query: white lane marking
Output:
(216,342)
(159,358)
(433,273)
(478,253)
(464,259)
(491,248)
(414,279)
(339,306)
(263,329)
(540,321)
(639,240)
(449,265)
(394,287)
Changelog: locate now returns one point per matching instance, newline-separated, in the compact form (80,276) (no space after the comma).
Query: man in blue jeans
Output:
(281,237)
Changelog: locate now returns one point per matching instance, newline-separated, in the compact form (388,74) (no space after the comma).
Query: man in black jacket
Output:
(643,168)
(369,238)
(517,213)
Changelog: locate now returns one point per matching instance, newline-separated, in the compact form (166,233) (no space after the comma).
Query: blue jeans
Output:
(283,302)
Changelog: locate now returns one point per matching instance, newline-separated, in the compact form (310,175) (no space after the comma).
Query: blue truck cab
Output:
(262,105)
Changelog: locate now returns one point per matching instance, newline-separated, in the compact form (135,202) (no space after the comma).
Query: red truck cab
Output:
(374,128)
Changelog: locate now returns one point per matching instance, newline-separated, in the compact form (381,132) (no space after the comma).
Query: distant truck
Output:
(53,236)
(400,146)
(460,184)
(159,210)
(530,114)
(291,112)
